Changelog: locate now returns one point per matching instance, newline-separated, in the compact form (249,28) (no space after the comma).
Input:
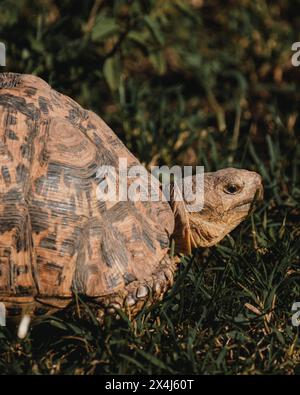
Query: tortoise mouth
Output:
(243,206)
(250,203)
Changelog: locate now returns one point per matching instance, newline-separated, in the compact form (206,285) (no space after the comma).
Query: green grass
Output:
(229,311)
(230,98)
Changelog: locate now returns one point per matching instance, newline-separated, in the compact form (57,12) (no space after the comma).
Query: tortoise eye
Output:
(231,188)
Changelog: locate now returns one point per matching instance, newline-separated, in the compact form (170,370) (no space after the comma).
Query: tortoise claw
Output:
(130,301)
(142,291)
(169,276)
(157,288)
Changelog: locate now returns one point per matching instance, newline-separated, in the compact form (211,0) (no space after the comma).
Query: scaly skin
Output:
(58,240)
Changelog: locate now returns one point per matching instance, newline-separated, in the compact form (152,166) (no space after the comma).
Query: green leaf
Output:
(155,361)
(58,323)
(112,73)
(279,336)
(155,30)
(103,28)
(138,37)
(186,10)
(133,361)
(158,62)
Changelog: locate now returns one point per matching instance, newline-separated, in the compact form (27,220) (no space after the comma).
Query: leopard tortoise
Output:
(58,240)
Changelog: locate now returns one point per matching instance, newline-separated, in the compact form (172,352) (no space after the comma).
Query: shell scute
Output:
(56,236)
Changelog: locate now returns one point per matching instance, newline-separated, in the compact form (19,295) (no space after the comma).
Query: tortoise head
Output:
(228,195)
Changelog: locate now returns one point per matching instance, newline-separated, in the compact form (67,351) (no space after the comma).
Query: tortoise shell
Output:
(56,237)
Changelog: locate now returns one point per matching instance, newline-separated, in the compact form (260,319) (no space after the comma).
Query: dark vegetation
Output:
(181,82)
